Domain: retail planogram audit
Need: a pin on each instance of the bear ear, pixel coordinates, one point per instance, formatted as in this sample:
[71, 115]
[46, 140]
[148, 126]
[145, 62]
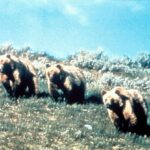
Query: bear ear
[103, 92]
[47, 65]
[59, 66]
[122, 92]
[8, 56]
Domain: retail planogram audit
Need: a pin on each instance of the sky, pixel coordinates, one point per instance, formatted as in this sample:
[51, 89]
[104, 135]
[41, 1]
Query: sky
[64, 27]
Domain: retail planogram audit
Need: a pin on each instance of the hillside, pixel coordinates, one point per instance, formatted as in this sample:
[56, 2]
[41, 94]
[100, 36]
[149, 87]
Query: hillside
[40, 123]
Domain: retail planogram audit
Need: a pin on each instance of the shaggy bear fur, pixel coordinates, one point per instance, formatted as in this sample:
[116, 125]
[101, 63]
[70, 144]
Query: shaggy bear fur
[126, 108]
[67, 81]
[17, 74]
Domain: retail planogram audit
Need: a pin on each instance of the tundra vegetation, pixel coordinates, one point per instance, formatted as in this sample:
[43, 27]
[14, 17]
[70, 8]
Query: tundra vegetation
[41, 123]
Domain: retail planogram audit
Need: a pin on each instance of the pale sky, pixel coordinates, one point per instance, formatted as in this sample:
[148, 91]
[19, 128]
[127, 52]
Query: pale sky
[63, 27]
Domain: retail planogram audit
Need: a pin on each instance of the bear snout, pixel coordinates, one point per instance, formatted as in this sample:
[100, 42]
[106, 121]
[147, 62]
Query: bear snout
[108, 105]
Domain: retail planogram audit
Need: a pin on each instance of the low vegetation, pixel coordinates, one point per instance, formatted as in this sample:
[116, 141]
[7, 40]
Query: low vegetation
[43, 124]
[38, 123]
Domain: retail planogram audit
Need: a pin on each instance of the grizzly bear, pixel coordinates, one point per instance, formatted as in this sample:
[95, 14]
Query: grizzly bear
[126, 108]
[66, 81]
[17, 74]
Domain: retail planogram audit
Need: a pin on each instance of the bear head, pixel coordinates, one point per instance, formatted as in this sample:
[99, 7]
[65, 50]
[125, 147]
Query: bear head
[115, 98]
[56, 73]
[7, 64]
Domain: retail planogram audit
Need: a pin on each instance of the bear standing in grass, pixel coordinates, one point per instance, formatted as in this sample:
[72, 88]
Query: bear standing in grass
[67, 79]
[126, 109]
[17, 74]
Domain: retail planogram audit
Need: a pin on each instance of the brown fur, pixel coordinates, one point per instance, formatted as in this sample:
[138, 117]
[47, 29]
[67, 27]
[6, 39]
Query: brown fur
[69, 79]
[126, 109]
[17, 74]
[3, 77]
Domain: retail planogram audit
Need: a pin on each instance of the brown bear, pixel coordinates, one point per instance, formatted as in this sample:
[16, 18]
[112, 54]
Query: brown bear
[67, 79]
[17, 74]
[126, 108]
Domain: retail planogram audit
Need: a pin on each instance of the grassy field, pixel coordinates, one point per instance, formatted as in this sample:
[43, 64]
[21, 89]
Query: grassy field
[41, 124]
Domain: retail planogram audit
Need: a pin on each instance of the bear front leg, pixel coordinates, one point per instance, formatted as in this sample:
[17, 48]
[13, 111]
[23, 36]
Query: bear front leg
[129, 114]
[68, 84]
[18, 88]
[53, 91]
[8, 87]
[33, 86]
[117, 120]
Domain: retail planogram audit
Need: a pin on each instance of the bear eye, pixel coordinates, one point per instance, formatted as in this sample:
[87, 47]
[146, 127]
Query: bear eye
[112, 100]
[105, 100]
